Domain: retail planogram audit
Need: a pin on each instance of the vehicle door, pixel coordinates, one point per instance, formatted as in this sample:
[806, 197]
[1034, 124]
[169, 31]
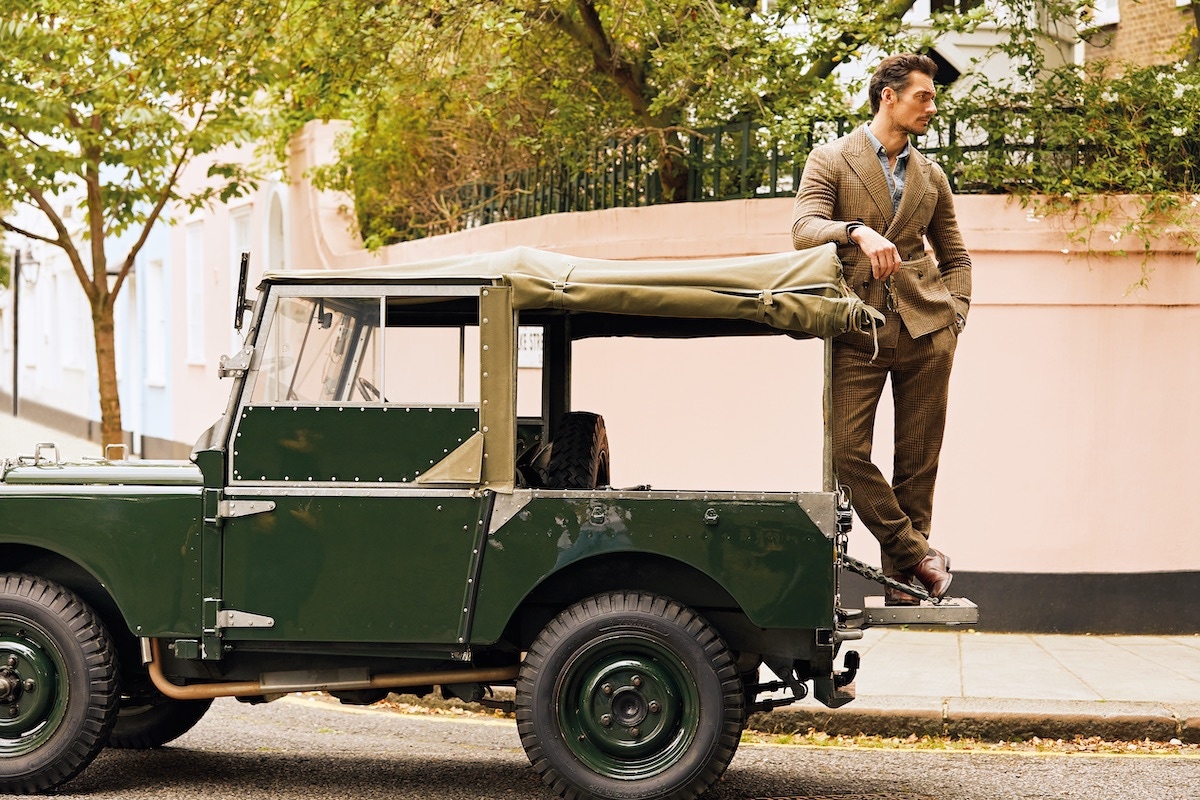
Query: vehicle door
[333, 533]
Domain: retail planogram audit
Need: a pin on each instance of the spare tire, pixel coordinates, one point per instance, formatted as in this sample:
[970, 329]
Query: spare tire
[579, 453]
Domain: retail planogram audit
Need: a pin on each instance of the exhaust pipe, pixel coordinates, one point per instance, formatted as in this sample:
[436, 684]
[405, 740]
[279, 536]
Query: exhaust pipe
[318, 680]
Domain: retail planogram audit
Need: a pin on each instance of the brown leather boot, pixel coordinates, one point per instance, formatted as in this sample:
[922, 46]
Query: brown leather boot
[933, 572]
[895, 597]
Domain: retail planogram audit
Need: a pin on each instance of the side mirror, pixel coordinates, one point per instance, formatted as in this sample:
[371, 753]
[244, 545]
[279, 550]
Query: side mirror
[240, 306]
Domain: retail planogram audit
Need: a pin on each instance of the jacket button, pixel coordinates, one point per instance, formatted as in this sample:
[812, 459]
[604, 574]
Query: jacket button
[920, 274]
[866, 284]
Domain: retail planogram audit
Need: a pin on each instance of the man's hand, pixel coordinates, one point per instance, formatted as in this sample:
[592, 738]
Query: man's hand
[885, 258]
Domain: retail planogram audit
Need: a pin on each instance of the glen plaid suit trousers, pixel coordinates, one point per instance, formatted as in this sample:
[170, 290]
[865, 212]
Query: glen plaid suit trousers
[899, 514]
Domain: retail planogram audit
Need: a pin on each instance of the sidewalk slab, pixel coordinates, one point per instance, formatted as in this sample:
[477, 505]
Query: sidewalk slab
[19, 437]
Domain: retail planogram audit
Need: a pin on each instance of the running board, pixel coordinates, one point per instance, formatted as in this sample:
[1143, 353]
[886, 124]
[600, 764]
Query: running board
[947, 611]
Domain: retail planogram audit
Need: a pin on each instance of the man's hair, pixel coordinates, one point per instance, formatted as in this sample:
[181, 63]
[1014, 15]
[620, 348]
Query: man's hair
[894, 71]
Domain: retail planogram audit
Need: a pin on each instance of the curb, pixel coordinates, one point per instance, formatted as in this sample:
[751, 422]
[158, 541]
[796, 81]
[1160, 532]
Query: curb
[993, 720]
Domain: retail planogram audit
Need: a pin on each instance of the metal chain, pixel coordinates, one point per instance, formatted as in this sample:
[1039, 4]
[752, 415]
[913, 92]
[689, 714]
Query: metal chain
[871, 573]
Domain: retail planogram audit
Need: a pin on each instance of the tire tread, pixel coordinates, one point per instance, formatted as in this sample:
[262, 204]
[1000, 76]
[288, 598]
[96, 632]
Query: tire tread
[100, 661]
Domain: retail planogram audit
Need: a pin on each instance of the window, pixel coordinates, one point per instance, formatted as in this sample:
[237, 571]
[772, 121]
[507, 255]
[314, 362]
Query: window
[332, 349]
[431, 365]
[155, 307]
[321, 349]
[194, 285]
[1105, 12]
[239, 242]
[953, 6]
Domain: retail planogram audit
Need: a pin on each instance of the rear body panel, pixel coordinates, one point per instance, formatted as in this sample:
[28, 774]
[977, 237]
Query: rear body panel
[141, 541]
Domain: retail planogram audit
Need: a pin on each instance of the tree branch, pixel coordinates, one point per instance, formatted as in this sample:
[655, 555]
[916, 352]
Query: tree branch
[831, 57]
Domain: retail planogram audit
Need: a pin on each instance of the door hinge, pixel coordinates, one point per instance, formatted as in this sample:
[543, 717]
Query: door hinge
[228, 509]
[228, 618]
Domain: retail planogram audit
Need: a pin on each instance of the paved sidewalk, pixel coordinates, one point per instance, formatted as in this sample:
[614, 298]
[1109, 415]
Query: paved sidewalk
[1007, 686]
[20, 436]
[960, 682]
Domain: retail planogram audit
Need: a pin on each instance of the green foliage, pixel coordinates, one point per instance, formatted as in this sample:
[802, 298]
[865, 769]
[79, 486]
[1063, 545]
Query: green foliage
[1094, 129]
[111, 99]
[465, 91]
[1108, 149]
[103, 103]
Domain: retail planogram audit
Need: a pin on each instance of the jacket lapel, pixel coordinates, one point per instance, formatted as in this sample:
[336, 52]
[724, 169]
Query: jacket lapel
[865, 163]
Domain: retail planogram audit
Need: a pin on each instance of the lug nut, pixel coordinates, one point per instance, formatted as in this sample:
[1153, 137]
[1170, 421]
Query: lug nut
[606, 688]
[13, 711]
[30, 685]
[12, 661]
[606, 720]
[653, 706]
[635, 732]
[636, 680]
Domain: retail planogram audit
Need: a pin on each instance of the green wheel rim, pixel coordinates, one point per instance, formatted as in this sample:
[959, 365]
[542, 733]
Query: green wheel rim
[33, 687]
[628, 707]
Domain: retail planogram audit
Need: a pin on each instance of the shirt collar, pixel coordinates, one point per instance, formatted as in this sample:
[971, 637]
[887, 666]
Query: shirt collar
[877, 146]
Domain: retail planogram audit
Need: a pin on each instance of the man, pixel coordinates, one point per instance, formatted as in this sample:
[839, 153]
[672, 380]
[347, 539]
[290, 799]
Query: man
[880, 200]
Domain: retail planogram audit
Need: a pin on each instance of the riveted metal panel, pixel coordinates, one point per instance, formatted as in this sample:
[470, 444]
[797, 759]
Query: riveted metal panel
[346, 443]
[498, 387]
[767, 553]
[353, 567]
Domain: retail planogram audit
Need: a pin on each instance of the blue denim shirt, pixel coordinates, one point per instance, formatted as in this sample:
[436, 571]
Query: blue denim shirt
[895, 179]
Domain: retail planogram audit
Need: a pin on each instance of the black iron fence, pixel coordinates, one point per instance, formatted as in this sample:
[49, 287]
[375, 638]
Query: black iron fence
[738, 160]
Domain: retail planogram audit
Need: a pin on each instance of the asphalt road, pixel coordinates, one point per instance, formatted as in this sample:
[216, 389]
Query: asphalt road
[300, 748]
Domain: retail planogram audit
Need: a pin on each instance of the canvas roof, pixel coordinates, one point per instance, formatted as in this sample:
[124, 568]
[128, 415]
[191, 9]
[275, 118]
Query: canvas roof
[800, 292]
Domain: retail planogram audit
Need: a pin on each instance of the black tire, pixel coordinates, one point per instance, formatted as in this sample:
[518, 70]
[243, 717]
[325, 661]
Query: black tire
[58, 669]
[151, 719]
[629, 695]
[579, 454]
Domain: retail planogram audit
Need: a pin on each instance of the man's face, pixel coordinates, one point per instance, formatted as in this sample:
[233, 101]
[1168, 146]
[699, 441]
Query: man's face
[912, 107]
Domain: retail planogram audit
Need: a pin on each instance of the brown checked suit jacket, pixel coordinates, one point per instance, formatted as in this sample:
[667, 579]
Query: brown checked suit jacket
[843, 182]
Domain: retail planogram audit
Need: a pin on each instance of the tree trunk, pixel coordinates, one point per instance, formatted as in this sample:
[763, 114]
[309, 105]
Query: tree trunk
[672, 167]
[103, 330]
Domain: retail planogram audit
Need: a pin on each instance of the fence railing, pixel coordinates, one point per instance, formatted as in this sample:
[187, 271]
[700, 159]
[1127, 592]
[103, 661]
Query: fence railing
[738, 160]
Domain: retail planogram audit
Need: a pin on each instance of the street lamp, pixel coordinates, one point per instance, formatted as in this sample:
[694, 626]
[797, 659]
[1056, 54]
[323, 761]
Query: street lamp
[16, 304]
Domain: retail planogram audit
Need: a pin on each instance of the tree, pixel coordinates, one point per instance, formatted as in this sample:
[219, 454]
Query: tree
[464, 90]
[111, 100]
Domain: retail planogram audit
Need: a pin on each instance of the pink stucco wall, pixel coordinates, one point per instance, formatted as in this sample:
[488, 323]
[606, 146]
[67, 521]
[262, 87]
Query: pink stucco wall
[1071, 445]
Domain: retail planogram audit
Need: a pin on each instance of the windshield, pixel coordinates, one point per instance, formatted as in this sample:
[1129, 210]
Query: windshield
[321, 350]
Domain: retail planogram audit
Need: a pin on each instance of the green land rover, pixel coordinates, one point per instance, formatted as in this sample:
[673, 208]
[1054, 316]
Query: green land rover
[371, 513]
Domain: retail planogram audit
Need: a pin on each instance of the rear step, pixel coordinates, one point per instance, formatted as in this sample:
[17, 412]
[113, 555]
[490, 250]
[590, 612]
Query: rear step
[948, 611]
[927, 611]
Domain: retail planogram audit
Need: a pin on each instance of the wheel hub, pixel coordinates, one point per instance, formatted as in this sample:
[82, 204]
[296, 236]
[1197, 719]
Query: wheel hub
[28, 681]
[631, 706]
